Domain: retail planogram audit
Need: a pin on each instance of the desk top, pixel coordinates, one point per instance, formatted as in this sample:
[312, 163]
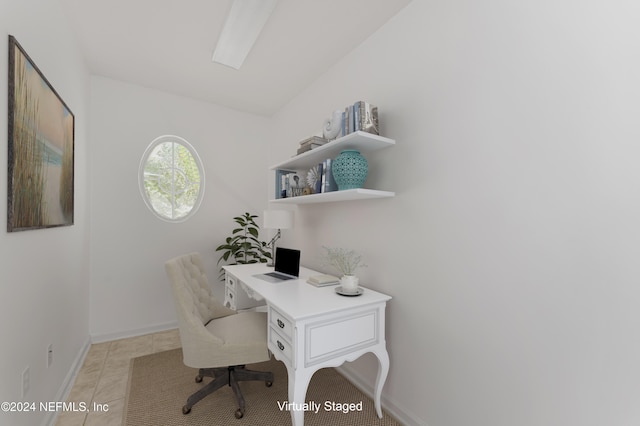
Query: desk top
[297, 298]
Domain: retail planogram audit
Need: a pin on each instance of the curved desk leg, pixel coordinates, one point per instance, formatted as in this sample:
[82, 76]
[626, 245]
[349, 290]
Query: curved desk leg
[383, 370]
[298, 384]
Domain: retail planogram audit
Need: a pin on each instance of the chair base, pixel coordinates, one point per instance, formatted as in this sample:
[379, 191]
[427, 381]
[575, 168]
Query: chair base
[229, 376]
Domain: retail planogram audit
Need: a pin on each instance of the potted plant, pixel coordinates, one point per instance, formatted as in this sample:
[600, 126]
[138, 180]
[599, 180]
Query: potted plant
[345, 262]
[244, 245]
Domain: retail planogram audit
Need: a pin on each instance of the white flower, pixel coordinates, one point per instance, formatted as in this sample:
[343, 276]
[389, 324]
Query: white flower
[342, 260]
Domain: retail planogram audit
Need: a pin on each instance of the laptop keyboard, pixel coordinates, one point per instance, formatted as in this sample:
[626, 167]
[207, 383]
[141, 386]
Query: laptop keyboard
[278, 275]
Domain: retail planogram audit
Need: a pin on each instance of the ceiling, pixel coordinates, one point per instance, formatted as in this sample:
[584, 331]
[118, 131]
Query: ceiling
[168, 45]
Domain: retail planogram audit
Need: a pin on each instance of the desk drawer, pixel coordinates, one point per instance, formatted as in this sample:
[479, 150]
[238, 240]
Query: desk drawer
[279, 344]
[341, 335]
[281, 324]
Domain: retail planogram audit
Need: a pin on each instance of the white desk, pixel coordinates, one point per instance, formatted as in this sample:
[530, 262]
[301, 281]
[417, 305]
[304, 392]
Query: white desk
[312, 328]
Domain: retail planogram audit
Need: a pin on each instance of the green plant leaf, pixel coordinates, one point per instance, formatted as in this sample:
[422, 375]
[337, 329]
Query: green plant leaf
[244, 245]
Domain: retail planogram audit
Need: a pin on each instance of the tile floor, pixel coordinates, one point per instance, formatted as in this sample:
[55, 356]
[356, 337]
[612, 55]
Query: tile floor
[102, 379]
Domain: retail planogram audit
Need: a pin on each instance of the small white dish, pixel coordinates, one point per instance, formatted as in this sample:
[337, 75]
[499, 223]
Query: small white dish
[342, 292]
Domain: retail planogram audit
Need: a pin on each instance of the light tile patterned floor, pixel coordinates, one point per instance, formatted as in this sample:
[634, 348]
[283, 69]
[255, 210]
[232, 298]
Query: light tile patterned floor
[102, 379]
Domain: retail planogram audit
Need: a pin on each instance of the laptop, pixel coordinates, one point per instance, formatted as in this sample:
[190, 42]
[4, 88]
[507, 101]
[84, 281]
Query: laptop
[287, 266]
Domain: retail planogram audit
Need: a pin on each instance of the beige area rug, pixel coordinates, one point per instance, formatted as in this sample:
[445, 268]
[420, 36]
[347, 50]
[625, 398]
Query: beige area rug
[160, 384]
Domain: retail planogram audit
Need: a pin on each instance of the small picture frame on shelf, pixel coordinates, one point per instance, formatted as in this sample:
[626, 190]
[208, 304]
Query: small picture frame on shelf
[289, 183]
[297, 183]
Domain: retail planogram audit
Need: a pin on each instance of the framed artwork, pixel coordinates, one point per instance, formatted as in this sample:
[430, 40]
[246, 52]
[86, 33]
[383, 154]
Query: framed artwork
[41, 149]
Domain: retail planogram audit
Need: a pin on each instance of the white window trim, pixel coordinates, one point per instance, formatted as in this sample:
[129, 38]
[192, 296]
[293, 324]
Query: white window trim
[143, 161]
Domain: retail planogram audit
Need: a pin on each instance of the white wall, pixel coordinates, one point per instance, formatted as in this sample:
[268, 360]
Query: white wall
[129, 289]
[44, 274]
[511, 249]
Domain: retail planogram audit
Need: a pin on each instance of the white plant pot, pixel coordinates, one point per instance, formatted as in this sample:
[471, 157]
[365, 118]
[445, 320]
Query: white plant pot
[349, 283]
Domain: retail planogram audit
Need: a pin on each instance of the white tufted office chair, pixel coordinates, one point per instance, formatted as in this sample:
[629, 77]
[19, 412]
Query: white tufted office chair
[216, 340]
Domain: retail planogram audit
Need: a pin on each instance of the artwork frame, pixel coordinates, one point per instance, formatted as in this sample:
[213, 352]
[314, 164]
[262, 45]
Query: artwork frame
[41, 144]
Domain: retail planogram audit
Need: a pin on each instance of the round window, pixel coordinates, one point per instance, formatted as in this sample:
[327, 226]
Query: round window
[171, 178]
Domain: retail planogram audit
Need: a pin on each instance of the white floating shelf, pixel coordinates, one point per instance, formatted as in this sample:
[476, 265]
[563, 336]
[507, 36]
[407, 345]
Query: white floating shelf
[328, 197]
[362, 141]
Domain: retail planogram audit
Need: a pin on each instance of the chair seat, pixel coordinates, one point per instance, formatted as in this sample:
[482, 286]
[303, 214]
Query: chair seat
[241, 328]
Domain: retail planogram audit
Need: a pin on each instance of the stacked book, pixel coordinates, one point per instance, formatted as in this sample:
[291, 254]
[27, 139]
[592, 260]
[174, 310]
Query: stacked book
[361, 116]
[311, 143]
[323, 280]
[324, 177]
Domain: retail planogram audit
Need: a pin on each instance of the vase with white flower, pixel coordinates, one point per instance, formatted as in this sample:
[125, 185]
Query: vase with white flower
[346, 262]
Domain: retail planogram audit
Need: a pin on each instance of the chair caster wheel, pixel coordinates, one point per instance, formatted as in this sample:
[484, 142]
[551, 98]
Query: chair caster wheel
[186, 409]
[198, 378]
[239, 414]
[268, 383]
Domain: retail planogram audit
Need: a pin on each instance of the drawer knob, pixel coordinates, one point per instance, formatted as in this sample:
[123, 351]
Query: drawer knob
[280, 345]
[280, 324]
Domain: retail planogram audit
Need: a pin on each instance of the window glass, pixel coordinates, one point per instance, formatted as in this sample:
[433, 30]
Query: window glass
[171, 178]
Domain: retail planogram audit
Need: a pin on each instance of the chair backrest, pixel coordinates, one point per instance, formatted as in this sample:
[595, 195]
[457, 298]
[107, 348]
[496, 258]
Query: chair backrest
[190, 287]
[195, 305]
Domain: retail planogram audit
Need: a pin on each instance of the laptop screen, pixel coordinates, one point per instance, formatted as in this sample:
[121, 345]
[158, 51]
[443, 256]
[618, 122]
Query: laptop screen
[287, 261]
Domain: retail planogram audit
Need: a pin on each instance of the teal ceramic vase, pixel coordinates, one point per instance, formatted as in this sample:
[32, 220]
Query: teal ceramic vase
[350, 169]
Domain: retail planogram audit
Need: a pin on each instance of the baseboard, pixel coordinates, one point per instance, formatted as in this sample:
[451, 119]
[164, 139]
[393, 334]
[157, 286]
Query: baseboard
[69, 380]
[390, 406]
[107, 337]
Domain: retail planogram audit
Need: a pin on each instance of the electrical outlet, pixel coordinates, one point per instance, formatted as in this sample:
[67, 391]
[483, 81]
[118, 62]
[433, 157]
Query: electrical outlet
[49, 355]
[25, 381]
